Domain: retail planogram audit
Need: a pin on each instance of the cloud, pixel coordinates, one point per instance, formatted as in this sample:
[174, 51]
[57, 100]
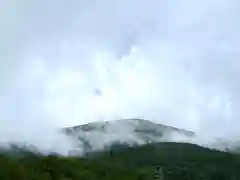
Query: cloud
[173, 62]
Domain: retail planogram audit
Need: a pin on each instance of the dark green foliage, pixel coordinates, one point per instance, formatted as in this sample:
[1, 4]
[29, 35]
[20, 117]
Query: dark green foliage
[176, 161]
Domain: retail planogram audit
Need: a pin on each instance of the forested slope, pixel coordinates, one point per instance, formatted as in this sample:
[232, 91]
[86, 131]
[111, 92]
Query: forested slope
[177, 161]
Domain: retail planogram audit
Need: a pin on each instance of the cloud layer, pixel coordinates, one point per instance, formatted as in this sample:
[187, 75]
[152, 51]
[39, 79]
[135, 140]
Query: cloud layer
[173, 62]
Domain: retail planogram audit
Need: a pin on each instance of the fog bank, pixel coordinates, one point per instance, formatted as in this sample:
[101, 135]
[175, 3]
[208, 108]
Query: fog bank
[67, 63]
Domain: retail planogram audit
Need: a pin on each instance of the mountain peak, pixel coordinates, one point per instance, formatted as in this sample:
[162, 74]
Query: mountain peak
[97, 135]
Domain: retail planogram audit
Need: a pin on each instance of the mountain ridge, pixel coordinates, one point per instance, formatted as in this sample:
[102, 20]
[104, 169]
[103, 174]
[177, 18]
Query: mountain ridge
[97, 135]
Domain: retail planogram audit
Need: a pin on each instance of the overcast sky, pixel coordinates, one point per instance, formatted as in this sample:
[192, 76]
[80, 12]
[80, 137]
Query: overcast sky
[71, 62]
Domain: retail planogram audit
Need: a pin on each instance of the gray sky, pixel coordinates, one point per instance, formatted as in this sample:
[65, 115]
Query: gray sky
[71, 62]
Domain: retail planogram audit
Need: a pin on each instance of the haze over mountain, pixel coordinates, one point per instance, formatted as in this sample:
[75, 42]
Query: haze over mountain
[98, 135]
[101, 135]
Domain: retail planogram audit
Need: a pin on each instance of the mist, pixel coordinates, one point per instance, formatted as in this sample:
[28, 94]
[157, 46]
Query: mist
[66, 63]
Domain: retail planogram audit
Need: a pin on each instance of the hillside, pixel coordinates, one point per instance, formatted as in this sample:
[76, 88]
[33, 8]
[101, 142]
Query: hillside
[97, 135]
[179, 161]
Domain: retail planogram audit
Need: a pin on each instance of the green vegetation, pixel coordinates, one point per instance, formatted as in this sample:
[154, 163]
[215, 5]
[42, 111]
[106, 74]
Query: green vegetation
[177, 161]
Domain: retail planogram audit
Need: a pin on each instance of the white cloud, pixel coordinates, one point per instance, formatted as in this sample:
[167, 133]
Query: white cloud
[174, 62]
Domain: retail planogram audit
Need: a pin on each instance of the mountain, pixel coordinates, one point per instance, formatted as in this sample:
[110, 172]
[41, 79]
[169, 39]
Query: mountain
[99, 135]
[145, 160]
